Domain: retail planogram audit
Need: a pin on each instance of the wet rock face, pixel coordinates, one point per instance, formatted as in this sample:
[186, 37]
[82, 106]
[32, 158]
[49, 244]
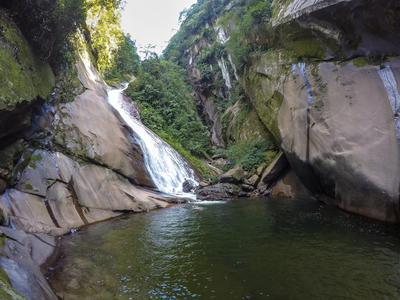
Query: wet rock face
[90, 129]
[335, 126]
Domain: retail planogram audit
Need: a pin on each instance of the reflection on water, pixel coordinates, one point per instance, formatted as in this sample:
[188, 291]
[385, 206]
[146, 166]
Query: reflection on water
[247, 249]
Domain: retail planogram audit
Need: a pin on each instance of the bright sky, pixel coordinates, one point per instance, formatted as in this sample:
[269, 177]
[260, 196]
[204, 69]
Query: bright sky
[153, 21]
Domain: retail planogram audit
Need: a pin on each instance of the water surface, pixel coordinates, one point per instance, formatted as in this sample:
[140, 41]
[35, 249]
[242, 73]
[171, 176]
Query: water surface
[246, 249]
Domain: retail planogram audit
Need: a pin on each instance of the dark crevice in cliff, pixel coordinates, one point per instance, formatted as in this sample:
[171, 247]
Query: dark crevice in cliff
[75, 201]
[51, 213]
[14, 124]
[31, 193]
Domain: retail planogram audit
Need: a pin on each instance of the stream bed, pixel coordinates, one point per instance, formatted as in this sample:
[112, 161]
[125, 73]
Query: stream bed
[244, 249]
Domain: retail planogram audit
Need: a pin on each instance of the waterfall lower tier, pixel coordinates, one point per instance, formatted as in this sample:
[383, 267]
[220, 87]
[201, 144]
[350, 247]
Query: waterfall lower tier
[166, 167]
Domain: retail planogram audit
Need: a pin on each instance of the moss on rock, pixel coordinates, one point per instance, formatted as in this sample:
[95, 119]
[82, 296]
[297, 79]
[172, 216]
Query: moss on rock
[241, 124]
[24, 77]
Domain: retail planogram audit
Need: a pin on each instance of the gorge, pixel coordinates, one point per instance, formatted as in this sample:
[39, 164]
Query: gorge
[268, 130]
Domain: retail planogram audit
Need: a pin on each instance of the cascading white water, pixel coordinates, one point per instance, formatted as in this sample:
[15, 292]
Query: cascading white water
[166, 167]
[302, 68]
[390, 83]
[225, 73]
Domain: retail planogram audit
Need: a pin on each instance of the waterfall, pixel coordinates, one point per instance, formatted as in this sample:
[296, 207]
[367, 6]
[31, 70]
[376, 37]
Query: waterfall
[233, 67]
[390, 83]
[166, 167]
[225, 73]
[221, 35]
[302, 68]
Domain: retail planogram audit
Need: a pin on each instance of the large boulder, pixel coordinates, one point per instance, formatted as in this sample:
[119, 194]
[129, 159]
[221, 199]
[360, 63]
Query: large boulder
[290, 186]
[219, 191]
[235, 175]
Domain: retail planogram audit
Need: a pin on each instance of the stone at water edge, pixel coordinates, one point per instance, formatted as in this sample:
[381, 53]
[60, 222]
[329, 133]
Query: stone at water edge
[247, 187]
[219, 191]
[273, 172]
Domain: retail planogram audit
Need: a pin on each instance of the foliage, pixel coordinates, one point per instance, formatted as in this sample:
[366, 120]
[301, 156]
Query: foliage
[249, 17]
[49, 26]
[126, 61]
[103, 24]
[249, 154]
[252, 19]
[167, 105]
[194, 27]
[47, 23]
